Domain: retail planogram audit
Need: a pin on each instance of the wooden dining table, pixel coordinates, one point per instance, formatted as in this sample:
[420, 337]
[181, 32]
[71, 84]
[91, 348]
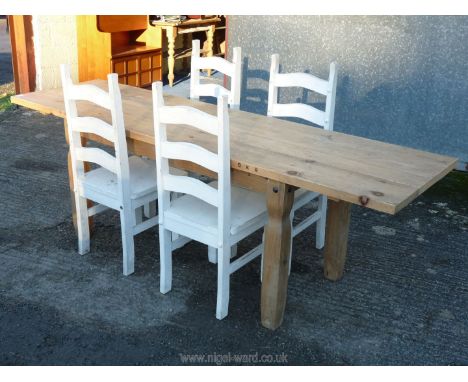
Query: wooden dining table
[277, 157]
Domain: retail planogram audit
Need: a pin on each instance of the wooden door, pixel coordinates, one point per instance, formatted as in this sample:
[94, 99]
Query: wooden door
[22, 52]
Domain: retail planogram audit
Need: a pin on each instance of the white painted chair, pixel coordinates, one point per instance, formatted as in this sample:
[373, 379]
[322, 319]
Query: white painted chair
[311, 114]
[216, 214]
[231, 69]
[120, 183]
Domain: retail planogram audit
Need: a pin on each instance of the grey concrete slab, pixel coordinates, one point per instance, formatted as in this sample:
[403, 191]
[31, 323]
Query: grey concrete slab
[6, 69]
[403, 299]
[401, 79]
[5, 46]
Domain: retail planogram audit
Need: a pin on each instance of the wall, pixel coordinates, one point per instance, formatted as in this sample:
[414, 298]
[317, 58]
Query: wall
[401, 79]
[54, 43]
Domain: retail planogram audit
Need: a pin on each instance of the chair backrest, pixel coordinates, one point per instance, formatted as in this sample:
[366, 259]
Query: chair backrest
[303, 80]
[219, 163]
[231, 69]
[114, 133]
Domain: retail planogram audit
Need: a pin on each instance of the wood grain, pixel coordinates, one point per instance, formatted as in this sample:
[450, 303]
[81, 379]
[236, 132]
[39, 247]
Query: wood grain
[336, 239]
[22, 53]
[94, 49]
[123, 44]
[357, 170]
[277, 251]
[121, 23]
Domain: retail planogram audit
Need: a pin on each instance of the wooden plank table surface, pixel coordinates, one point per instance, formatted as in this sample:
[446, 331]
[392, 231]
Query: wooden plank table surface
[277, 157]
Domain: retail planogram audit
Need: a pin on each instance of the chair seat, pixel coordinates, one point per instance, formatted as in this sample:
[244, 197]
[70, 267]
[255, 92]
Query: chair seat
[142, 179]
[248, 210]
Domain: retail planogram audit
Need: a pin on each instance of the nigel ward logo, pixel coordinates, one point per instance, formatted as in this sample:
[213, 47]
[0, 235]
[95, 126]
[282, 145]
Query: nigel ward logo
[230, 358]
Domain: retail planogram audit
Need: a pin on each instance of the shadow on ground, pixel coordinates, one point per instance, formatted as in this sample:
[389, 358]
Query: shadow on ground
[5, 69]
[403, 299]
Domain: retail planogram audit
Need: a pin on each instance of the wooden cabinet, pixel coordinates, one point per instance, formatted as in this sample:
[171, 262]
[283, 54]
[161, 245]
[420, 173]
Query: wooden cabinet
[138, 68]
[126, 45]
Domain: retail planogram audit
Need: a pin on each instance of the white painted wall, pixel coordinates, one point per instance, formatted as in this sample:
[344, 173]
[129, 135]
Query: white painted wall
[55, 43]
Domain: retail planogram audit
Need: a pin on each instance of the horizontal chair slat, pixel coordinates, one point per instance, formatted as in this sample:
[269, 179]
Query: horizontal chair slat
[303, 80]
[190, 152]
[216, 63]
[188, 115]
[93, 126]
[191, 186]
[98, 156]
[299, 110]
[211, 90]
[90, 93]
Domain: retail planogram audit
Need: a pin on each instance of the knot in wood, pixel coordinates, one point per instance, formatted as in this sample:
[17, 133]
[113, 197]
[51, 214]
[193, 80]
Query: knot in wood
[363, 199]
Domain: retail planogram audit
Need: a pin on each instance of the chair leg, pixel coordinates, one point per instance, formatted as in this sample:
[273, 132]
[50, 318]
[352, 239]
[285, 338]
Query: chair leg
[320, 229]
[139, 215]
[233, 250]
[82, 224]
[261, 256]
[165, 253]
[212, 255]
[149, 209]
[291, 243]
[175, 236]
[222, 303]
[128, 248]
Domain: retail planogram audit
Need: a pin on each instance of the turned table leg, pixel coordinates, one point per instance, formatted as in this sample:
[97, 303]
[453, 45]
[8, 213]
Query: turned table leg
[336, 238]
[209, 42]
[185, 59]
[171, 37]
[277, 250]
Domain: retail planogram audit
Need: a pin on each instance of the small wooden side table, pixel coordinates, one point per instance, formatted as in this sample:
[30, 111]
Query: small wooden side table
[173, 29]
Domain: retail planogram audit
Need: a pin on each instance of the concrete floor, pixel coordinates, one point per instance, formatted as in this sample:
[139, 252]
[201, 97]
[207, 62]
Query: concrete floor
[403, 299]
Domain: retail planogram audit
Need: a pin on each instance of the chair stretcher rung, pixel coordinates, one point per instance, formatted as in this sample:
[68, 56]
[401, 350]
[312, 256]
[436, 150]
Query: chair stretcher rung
[180, 242]
[96, 209]
[249, 256]
[302, 201]
[305, 223]
[145, 225]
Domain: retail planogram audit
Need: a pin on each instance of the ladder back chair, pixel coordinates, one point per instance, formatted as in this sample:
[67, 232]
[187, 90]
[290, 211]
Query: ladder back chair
[309, 113]
[120, 183]
[231, 69]
[216, 214]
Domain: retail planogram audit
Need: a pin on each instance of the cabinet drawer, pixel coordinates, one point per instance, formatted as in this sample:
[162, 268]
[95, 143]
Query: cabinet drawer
[138, 69]
[145, 78]
[156, 61]
[132, 65]
[157, 74]
[119, 67]
[145, 63]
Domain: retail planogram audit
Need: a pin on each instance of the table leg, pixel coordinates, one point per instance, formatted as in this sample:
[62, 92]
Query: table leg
[209, 42]
[185, 59]
[277, 251]
[336, 238]
[171, 36]
[87, 167]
